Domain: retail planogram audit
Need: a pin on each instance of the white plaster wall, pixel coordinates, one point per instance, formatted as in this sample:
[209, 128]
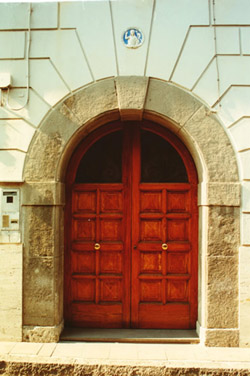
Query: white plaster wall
[202, 47]
[11, 292]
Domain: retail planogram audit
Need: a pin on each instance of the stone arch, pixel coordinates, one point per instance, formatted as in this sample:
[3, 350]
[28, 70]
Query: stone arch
[131, 98]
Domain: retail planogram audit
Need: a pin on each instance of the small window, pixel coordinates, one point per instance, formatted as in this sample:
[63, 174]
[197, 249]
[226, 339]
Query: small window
[102, 163]
[160, 162]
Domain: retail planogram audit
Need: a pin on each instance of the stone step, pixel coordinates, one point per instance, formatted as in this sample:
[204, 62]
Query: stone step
[121, 359]
[130, 335]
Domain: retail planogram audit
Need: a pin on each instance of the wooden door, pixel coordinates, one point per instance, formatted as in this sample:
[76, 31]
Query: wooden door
[164, 238]
[97, 217]
[131, 242]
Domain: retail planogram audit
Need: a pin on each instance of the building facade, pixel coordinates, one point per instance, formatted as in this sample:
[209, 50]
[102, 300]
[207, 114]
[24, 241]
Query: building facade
[150, 244]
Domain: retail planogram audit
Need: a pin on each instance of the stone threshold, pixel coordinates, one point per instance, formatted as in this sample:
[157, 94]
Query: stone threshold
[130, 335]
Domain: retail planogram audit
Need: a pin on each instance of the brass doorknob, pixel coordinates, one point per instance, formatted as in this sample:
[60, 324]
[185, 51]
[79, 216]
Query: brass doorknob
[97, 246]
[164, 246]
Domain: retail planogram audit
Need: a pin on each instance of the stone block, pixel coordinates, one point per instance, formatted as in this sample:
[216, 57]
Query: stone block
[170, 101]
[69, 117]
[93, 100]
[44, 155]
[49, 193]
[42, 334]
[131, 94]
[223, 231]
[39, 231]
[61, 121]
[222, 292]
[26, 348]
[38, 287]
[11, 272]
[216, 147]
[223, 194]
[222, 338]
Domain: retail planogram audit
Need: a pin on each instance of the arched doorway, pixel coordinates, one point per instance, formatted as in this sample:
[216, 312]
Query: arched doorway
[43, 198]
[131, 230]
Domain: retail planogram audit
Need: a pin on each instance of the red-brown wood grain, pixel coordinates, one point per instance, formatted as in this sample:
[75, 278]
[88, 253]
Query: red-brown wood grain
[131, 281]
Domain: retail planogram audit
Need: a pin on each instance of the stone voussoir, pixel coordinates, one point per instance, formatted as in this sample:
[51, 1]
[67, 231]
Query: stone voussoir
[170, 101]
[93, 100]
[215, 145]
[131, 94]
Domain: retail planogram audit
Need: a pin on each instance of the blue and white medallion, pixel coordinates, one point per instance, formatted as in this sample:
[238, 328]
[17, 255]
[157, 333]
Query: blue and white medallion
[133, 38]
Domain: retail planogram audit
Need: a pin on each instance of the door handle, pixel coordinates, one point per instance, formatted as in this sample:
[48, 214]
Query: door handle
[164, 246]
[97, 246]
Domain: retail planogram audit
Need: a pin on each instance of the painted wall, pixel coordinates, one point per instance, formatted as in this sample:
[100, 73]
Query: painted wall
[56, 48]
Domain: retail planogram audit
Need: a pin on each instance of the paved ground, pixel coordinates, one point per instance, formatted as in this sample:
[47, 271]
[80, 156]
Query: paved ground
[167, 355]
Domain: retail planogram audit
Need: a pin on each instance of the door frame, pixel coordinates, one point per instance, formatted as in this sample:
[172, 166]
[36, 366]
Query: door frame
[79, 152]
[219, 199]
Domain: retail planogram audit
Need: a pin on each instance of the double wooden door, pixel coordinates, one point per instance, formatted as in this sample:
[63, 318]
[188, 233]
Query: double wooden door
[131, 231]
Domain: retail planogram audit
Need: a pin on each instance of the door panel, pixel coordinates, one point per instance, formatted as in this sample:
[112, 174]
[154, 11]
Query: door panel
[97, 275]
[161, 277]
[144, 274]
